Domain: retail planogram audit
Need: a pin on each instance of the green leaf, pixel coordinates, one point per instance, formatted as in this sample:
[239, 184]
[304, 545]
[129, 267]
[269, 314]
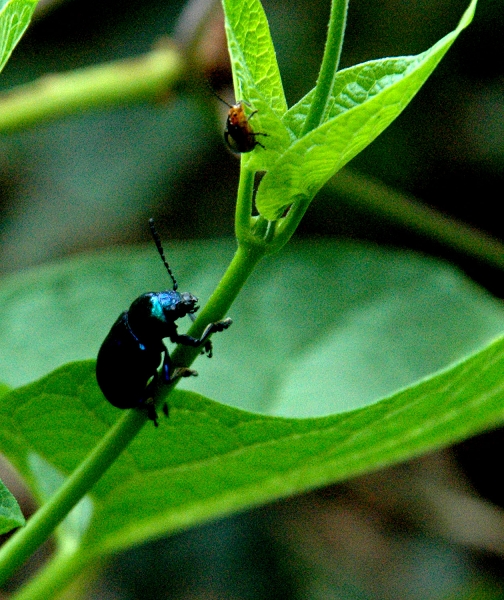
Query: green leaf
[365, 99]
[378, 320]
[252, 53]
[15, 16]
[381, 319]
[360, 320]
[256, 78]
[3, 389]
[10, 513]
[354, 87]
[208, 459]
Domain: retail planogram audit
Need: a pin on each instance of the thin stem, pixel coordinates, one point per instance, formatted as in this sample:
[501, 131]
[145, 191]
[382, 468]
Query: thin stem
[26, 540]
[380, 199]
[287, 226]
[269, 234]
[244, 204]
[148, 77]
[240, 268]
[330, 63]
[260, 227]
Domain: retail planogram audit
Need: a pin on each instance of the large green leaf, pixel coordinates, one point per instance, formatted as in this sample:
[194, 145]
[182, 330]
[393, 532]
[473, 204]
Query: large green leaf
[365, 99]
[363, 321]
[15, 17]
[208, 459]
[377, 319]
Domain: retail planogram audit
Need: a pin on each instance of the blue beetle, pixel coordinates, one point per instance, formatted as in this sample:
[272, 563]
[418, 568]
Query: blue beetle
[128, 360]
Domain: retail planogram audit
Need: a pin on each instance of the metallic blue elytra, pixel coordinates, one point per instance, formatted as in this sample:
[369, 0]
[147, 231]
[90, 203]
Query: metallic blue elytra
[129, 358]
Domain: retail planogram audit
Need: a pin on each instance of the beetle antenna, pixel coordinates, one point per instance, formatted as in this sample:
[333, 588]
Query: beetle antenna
[159, 247]
[218, 97]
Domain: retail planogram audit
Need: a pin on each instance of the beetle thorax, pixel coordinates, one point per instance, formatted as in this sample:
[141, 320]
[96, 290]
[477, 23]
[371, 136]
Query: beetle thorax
[153, 315]
[170, 305]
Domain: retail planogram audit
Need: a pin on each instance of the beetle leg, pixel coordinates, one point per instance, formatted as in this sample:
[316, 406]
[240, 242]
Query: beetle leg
[183, 372]
[168, 374]
[259, 144]
[213, 328]
[151, 411]
[188, 340]
[165, 371]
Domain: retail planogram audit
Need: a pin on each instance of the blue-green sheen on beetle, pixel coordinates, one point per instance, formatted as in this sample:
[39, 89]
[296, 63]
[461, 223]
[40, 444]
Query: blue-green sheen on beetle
[128, 360]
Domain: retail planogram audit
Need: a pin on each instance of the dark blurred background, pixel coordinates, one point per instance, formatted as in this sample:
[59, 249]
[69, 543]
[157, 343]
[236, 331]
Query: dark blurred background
[91, 180]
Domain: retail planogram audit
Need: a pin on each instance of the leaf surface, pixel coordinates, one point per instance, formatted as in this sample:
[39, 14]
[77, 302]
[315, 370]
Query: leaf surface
[356, 307]
[257, 78]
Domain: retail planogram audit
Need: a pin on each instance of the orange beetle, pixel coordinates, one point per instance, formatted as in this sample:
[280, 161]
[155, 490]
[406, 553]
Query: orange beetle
[238, 133]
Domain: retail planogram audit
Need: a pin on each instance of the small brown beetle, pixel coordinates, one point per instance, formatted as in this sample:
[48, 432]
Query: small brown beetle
[238, 133]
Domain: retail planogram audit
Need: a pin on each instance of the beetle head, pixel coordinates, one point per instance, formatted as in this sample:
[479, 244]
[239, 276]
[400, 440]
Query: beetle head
[188, 304]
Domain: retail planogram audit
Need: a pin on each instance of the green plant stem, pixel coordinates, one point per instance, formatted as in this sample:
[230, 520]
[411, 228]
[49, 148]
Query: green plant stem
[42, 523]
[257, 232]
[259, 228]
[148, 77]
[374, 196]
[288, 224]
[240, 268]
[329, 66]
[244, 205]
[38, 528]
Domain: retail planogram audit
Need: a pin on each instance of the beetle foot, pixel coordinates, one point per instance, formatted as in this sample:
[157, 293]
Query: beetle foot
[214, 328]
[221, 325]
[183, 372]
[208, 349]
[151, 411]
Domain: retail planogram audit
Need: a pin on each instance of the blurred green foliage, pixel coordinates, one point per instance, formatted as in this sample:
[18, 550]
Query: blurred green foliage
[92, 179]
